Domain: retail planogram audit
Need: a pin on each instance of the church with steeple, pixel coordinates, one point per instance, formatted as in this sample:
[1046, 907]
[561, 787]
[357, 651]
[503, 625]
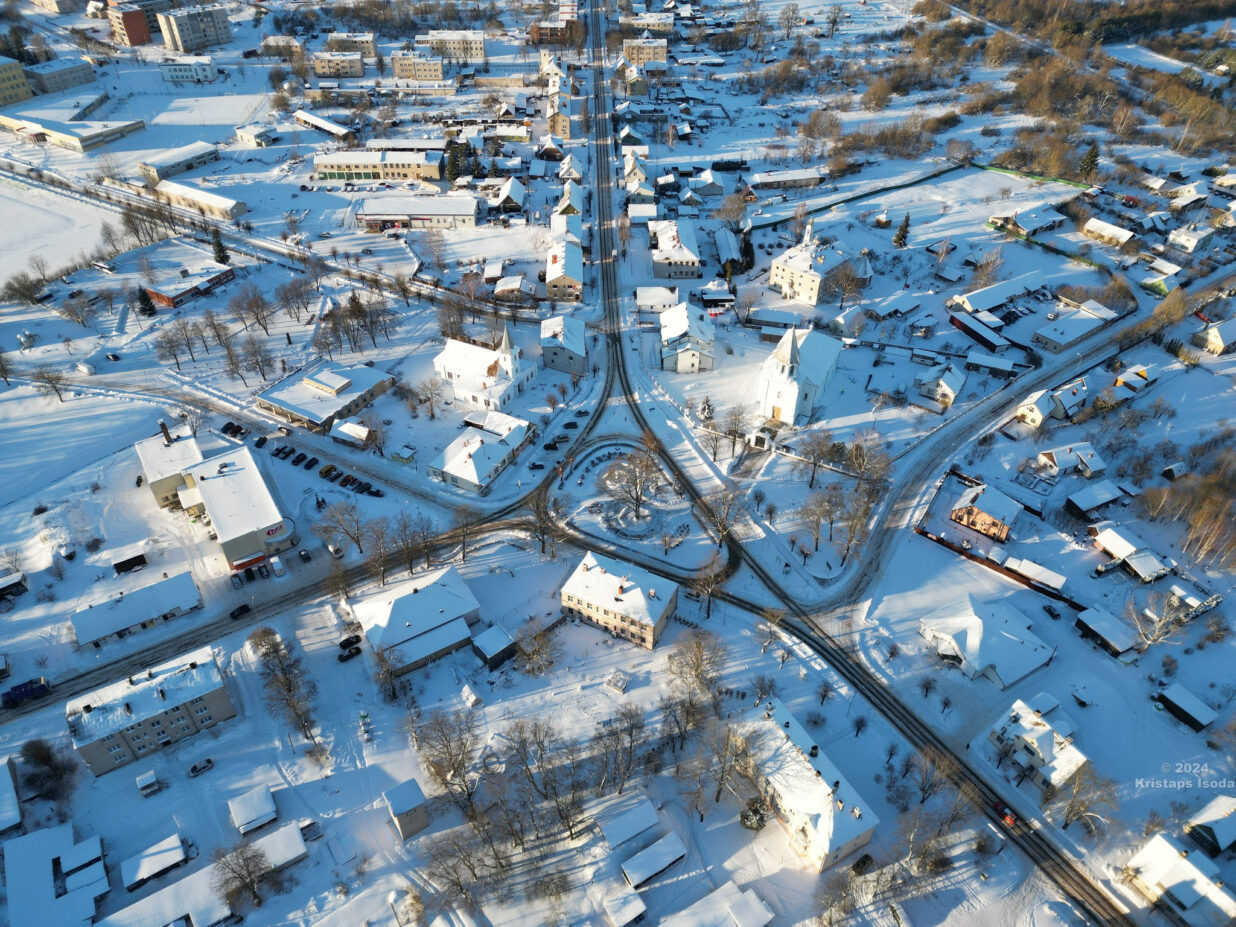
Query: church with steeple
[487, 378]
[794, 377]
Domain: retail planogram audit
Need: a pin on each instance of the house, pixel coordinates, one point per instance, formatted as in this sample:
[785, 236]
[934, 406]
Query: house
[558, 117]
[1214, 827]
[634, 168]
[620, 598]
[488, 378]
[706, 184]
[1186, 885]
[416, 621]
[639, 192]
[985, 510]
[675, 253]
[977, 330]
[475, 458]
[351, 432]
[256, 136]
[1028, 222]
[998, 294]
[1107, 233]
[1081, 457]
[135, 718]
[1127, 549]
[1189, 240]
[803, 272]
[514, 289]
[1084, 503]
[727, 906]
[509, 198]
[564, 344]
[1133, 379]
[571, 203]
[114, 609]
[1106, 630]
[549, 148]
[1219, 338]
[51, 878]
[569, 170]
[175, 161]
[942, 383]
[564, 271]
[625, 818]
[687, 339]
[1037, 738]
[253, 809]
[793, 378]
[825, 816]
[655, 298]
[1059, 404]
[654, 860]
[715, 297]
[493, 646]
[569, 227]
[163, 459]
[408, 807]
[992, 640]
[324, 392]
[453, 211]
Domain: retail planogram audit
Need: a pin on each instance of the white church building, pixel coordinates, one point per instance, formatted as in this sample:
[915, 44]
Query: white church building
[794, 377]
[488, 378]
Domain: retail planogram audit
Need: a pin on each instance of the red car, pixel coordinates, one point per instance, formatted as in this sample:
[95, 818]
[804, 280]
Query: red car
[1007, 817]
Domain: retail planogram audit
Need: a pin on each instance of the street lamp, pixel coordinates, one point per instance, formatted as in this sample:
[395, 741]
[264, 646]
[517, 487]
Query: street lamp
[391, 899]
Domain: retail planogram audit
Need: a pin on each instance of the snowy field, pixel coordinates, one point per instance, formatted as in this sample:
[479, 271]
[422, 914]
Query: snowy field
[42, 223]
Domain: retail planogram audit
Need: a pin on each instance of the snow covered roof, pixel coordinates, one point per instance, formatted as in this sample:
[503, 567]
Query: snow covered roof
[252, 809]
[402, 611]
[989, 501]
[685, 320]
[160, 459]
[234, 492]
[478, 455]
[319, 391]
[996, 295]
[675, 241]
[818, 353]
[118, 705]
[393, 157]
[1118, 635]
[1097, 228]
[623, 821]
[351, 432]
[1095, 495]
[1055, 756]
[727, 906]
[657, 858]
[1190, 704]
[991, 638]
[624, 907]
[175, 155]
[417, 206]
[602, 580]
[153, 860]
[1069, 456]
[30, 865]
[1121, 544]
[568, 226]
[565, 260]
[304, 117]
[493, 640]
[1219, 815]
[1035, 571]
[405, 797]
[114, 605]
[1194, 883]
[810, 255]
[10, 807]
[652, 297]
[564, 330]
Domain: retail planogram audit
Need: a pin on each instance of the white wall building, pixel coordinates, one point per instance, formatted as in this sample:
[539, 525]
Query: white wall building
[564, 344]
[793, 378]
[416, 621]
[620, 598]
[488, 444]
[801, 272]
[488, 378]
[1037, 737]
[675, 252]
[687, 335]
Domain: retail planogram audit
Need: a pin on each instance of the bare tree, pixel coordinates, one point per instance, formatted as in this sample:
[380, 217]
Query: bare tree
[547, 528]
[732, 211]
[1158, 621]
[813, 452]
[698, 659]
[711, 439]
[6, 368]
[429, 392]
[538, 647]
[386, 672]
[465, 519]
[240, 869]
[12, 559]
[411, 536]
[449, 741]
[380, 544]
[631, 479]
[707, 580]
[77, 309]
[722, 512]
[731, 756]
[1087, 797]
[773, 619]
[619, 744]
[216, 327]
[342, 518]
[49, 773]
[257, 357]
[735, 425]
[47, 380]
[289, 692]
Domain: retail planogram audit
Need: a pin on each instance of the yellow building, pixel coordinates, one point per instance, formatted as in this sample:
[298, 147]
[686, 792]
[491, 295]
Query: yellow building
[407, 65]
[338, 64]
[640, 51]
[454, 44]
[620, 598]
[359, 42]
[378, 165]
[13, 84]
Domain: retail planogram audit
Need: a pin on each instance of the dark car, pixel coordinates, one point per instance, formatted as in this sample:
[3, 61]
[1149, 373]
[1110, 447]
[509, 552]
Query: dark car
[240, 611]
[263, 572]
[304, 555]
[227, 427]
[375, 492]
[311, 463]
[348, 654]
[862, 864]
[335, 477]
[1053, 611]
[362, 486]
[350, 641]
[582, 413]
[237, 581]
[112, 357]
[570, 424]
[299, 459]
[536, 466]
[260, 441]
[347, 480]
[200, 767]
[562, 439]
[550, 446]
[249, 575]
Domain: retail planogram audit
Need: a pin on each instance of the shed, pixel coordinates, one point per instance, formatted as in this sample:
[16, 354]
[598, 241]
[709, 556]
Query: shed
[1185, 706]
[628, 823]
[1106, 630]
[153, 861]
[1214, 827]
[624, 907]
[656, 859]
[408, 808]
[253, 809]
[493, 646]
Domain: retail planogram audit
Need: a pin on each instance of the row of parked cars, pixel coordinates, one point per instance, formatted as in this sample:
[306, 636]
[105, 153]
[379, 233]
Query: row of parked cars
[333, 474]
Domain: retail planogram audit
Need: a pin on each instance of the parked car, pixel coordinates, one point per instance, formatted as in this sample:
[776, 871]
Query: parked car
[237, 581]
[550, 446]
[111, 356]
[304, 555]
[536, 466]
[326, 471]
[562, 439]
[582, 413]
[284, 430]
[240, 611]
[1007, 817]
[347, 480]
[260, 441]
[362, 486]
[311, 463]
[348, 654]
[375, 492]
[350, 641]
[263, 572]
[335, 477]
[570, 425]
[299, 459]
[249, 575]
[200, 767]
[227, 427]
[1053, 611]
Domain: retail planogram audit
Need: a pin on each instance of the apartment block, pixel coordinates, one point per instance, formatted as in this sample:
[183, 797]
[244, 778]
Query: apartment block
[133, 23]
[640, 51]
[454, 44]
[620, 598]
[135, 718]
[193, 28]
[359, 42]
[13, 84]
[338, 64]
[407, 65]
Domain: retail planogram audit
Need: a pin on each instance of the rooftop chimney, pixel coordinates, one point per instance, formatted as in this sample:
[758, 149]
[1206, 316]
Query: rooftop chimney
[167, 435]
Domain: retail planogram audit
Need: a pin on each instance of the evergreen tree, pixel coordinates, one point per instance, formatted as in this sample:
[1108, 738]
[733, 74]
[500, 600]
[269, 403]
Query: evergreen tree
[1089, 162]
[145, 305]
[221, 253]
[903, 233]
[706, 410]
